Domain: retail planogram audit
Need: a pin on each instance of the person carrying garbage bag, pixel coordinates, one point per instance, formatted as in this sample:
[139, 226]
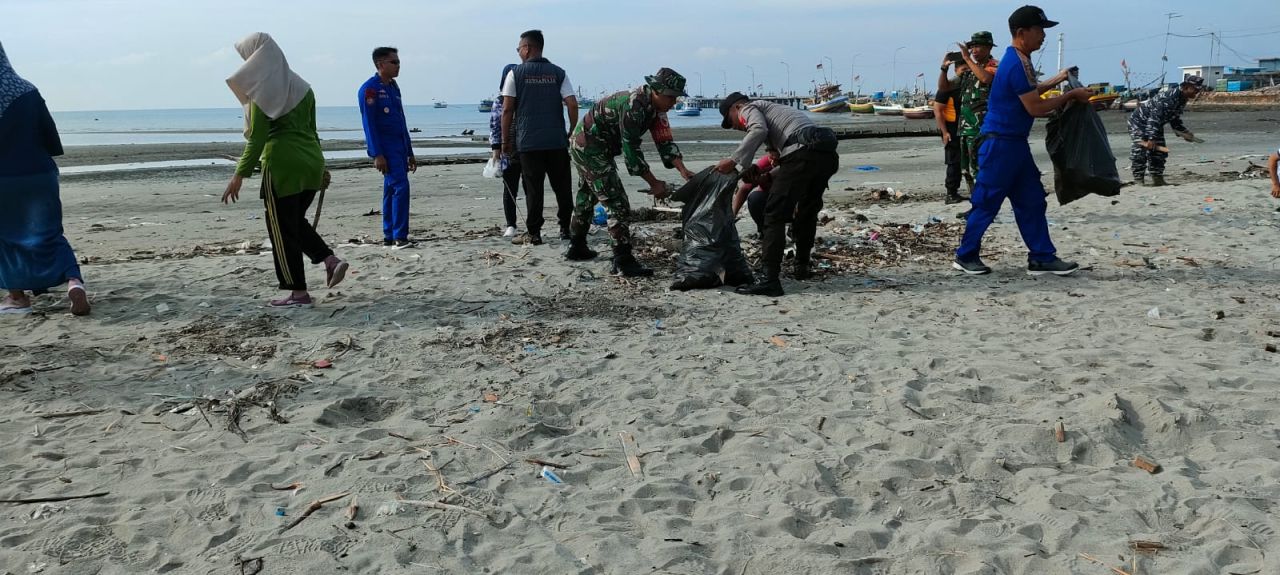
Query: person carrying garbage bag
[711, 243]
[807, 159]
[1146, 128]
[612, 128]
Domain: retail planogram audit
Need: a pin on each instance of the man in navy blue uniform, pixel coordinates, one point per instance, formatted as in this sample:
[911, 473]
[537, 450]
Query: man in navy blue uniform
[1006, 168]
[386, 134]
[534, 98]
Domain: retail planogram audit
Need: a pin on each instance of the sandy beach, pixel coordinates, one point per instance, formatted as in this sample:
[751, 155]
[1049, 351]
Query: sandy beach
[888, 417]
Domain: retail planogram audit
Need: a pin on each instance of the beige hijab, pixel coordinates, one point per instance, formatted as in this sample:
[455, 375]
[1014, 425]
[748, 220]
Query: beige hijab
[265, 79]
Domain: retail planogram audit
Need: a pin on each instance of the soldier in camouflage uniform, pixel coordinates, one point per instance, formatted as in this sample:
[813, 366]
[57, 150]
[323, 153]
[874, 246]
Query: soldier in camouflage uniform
[1146, 128]
[611, 128]
[974, 84]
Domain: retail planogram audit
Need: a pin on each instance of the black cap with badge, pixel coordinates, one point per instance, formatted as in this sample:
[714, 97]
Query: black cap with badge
[1029, 16]
[727, 103]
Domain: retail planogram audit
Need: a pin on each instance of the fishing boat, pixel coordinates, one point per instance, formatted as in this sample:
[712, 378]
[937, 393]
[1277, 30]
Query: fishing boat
[918, 113]
[863, 108]
[826, 99]
[486, 106]
[690, 108]
[1103, 101]
[585, 102]
[439, 104]
[887, 110]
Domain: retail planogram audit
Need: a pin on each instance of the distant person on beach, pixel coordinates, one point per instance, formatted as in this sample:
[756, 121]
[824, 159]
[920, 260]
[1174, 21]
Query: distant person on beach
[756, 194]
[1272, 163]
[280, 126]
[974, 74]
[386, 135]
[1146, 127]
[534, 97]
[807, 159]
[946, 109]
[612, 128]
[34, 255]
[1007, 169]
[510, 163]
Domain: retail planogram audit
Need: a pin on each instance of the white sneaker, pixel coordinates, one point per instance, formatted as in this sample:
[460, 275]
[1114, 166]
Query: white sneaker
[510, 233]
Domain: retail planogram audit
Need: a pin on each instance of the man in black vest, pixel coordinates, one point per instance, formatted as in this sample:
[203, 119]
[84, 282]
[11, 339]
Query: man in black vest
[533, 99]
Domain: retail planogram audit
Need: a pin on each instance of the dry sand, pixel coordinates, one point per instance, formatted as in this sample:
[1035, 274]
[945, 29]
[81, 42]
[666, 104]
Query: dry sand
[892, 417]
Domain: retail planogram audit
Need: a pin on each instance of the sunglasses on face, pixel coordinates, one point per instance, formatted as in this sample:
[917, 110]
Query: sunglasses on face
[394, 62]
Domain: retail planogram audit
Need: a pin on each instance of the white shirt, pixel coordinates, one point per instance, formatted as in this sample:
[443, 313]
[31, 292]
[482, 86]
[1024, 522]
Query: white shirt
[509, 86]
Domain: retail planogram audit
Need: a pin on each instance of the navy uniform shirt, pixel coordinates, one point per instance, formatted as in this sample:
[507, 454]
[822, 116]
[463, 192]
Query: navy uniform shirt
[386, 132]
[1006, 116]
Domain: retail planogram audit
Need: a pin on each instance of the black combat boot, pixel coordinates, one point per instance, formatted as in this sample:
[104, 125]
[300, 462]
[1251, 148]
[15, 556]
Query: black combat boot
[1139, 179]
[625, 264]
[578, 250]
[768, 285]
[1157, 181]
[954, 197]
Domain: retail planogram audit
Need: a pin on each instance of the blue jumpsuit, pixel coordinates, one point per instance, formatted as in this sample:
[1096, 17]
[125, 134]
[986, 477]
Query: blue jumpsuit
[386, 134]
[1006, 168]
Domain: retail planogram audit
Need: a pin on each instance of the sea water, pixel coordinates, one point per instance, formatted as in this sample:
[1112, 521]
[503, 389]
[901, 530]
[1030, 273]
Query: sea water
[218, 125]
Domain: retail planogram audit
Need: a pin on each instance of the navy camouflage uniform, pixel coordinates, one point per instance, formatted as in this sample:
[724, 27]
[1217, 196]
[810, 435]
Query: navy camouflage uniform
[1147, 123]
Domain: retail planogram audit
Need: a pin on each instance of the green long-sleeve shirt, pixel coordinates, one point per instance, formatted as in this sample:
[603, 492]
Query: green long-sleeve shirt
[614, 127]
[288, 148]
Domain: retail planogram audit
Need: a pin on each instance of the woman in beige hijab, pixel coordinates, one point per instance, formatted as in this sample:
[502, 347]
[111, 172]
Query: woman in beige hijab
[280, 126]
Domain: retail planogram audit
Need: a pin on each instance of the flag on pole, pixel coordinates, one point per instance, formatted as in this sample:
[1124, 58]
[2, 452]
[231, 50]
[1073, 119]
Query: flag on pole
[819, 65]
[920, 75]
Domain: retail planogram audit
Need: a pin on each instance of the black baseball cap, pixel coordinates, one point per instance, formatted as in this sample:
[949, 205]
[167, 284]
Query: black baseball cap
[1029, 16]
[727, 103]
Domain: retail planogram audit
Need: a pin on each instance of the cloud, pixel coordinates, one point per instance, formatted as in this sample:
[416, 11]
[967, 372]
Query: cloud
[711, 52]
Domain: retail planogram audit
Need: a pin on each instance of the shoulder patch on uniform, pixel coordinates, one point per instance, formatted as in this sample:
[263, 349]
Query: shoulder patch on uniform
[370, 95]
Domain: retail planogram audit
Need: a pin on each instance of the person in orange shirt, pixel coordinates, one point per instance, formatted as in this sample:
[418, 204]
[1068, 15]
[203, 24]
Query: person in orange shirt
[945, 106]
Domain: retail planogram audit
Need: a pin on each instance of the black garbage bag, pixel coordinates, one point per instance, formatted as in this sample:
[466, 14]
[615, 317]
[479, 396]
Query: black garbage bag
[711, 244]
[1082, 160]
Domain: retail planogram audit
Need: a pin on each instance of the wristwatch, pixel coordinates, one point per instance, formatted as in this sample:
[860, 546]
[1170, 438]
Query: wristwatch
[945, 68]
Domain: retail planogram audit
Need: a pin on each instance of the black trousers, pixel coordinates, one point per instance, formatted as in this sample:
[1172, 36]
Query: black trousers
[292, 236]
[552, 165]
[952, 156]
[799, 180]
[510, 190]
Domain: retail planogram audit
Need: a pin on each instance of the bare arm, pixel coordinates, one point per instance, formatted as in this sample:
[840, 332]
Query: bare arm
[1040, 107]
[572, 103]
[940, 110]
[1053, 82]
[944, 81]
[980, 71]
[740, 197]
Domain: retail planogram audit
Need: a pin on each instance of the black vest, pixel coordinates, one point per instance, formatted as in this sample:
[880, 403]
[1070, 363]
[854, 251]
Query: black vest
[539, 122]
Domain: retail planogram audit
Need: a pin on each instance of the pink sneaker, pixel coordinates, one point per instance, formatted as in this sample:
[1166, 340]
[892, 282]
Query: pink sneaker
[334, 270]
[291, 301]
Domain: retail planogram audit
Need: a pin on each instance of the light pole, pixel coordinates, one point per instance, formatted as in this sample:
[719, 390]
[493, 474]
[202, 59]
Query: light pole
[851, 70]
[699, 83]
[894, 77]
[788, 76]
[753, 79]
[724, 83]
[1164, 59]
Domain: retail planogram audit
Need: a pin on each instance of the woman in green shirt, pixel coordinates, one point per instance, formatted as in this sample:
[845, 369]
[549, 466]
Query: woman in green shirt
[280, 126]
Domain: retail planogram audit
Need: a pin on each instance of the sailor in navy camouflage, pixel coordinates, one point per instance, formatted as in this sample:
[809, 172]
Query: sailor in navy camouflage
[1146, 128]
[611, 128]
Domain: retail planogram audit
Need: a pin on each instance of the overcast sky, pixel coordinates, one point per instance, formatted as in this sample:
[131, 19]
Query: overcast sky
[143, 54]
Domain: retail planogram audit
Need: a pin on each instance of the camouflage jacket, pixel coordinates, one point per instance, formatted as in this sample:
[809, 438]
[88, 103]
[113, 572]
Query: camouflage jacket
[974, 94]
[615, 124]
[1165, 108]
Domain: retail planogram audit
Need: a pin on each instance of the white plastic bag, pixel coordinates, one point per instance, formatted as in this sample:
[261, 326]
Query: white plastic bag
[492, 169]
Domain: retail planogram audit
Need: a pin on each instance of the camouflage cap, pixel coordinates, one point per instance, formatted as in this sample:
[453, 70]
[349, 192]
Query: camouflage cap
[983, 38]
[666, 82]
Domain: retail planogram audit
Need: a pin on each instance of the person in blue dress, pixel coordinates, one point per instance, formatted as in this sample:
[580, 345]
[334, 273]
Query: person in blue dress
[386, 134]
[1005, 166]
[34, 255]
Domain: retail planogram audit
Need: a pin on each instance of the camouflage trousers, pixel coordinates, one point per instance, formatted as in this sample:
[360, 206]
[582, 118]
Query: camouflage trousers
[1143, 161]
[599, 182]
[970, 129]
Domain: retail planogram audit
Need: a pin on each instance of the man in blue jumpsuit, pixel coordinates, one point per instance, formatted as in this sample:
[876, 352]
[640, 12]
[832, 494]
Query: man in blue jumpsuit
[1005, 166]
[386, 134]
